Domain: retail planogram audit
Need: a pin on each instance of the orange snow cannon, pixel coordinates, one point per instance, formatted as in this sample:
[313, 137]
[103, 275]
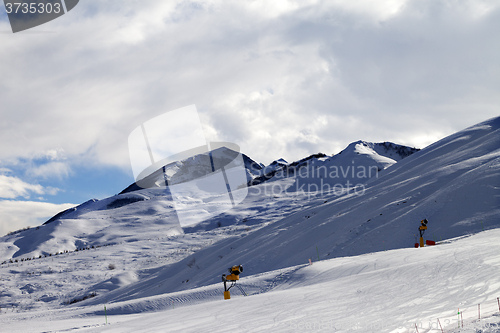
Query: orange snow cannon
[235, 273]
[233, 277]
[421, 229]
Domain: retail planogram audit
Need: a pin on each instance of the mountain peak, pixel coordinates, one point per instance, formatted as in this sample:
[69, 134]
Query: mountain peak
[195, 166]
[386, 149]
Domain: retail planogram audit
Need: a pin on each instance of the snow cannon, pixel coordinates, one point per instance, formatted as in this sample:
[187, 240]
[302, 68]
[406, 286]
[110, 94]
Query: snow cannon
[233, 277]
[421, 229]
[235, 273]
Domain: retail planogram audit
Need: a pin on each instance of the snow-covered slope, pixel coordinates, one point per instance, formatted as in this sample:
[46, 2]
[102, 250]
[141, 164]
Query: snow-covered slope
[98, 224]
[389, 291]
[454, 183]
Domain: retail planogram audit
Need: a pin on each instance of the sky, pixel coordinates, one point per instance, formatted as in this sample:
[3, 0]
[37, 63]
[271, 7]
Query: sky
[281, 79]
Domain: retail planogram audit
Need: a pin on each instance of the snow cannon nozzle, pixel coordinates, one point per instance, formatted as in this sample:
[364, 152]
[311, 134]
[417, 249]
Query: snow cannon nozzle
[424, 222]
[236, 269]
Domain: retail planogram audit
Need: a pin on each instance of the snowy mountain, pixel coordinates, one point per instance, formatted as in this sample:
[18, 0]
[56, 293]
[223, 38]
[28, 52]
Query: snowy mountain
[274, 165]
[129, 251]
[356, 164]
[148, 200]
[195, 167]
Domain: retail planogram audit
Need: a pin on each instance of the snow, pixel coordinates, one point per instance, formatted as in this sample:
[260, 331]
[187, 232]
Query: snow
[387, 291]
[154, 275]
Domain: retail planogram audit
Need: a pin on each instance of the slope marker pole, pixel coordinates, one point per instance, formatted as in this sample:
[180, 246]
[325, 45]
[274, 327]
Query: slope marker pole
[317, 252]
[440, 325]
[105, 315]
[498, 304]
[479, 311]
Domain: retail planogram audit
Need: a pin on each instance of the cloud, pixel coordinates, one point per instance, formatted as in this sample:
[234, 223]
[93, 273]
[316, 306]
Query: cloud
[281, 78]
[53, 169]
[54, 154]
[5, 171]
[16, 215]
[12, 187]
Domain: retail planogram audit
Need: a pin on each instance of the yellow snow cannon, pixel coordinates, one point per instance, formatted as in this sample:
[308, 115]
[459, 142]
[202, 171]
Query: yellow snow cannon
[235, 273]
[233, 277]
[421, 229]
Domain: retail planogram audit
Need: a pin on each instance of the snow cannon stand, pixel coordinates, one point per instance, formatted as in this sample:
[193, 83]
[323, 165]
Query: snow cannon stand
[232, 277]
[421, 229]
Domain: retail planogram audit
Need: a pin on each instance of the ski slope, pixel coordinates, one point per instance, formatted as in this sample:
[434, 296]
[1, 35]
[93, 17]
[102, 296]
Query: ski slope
[387, 291]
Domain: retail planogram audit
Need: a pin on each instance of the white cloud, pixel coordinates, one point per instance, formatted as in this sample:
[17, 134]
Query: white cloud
[52, 190]
[48, 170]
[55, 154]
[261, 73]
[12, 187]
[15, 215]
[5, 170]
